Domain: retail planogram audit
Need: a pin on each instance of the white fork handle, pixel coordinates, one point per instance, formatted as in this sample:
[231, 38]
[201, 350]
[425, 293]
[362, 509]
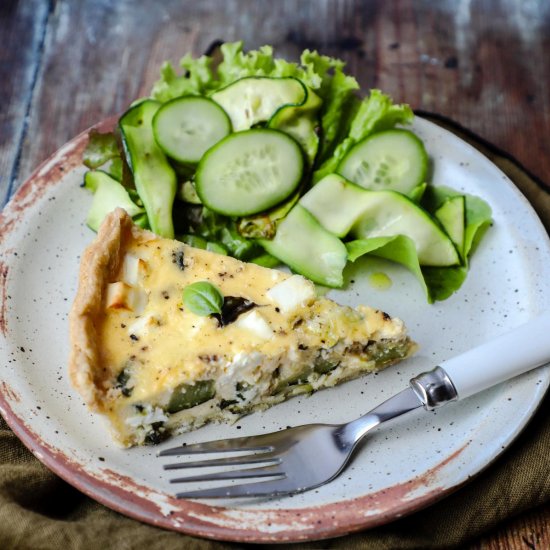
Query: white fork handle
[513, 353]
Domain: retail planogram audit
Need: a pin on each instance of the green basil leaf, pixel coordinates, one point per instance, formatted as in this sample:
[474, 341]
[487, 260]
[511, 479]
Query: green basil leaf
[202, 298]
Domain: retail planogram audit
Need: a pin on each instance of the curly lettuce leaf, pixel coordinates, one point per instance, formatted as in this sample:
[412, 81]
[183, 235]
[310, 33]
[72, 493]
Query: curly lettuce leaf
[103, 151]
[326, 76]
[197, 78]
[238, 64]
[101, 148]
[222, 230]
[313, 68]
[339, 107]
[378, 113]
[375, 113]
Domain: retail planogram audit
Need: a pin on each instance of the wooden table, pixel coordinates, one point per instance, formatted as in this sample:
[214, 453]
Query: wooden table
[66, 65]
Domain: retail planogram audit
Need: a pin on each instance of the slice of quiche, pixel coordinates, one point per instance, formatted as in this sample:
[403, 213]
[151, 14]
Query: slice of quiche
[153, 367]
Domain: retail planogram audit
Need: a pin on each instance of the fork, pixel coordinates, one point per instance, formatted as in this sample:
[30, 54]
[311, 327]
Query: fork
[298, 459]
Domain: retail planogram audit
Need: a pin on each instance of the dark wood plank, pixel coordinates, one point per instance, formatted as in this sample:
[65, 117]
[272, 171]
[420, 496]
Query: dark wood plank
[22, 27]
[101, 55]
[482, 65]
[66, 65]
[487, 68]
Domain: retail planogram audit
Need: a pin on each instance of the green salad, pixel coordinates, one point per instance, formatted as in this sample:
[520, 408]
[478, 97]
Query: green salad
[276, 162]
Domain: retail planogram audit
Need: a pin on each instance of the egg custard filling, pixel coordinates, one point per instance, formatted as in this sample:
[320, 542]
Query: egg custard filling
[153, 367]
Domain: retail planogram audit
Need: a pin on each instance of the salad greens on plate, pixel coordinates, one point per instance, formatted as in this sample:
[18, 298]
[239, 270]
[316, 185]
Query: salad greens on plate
[279, 162]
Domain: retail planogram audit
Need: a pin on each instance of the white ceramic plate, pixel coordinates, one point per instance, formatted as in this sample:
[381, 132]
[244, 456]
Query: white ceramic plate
[401, 468]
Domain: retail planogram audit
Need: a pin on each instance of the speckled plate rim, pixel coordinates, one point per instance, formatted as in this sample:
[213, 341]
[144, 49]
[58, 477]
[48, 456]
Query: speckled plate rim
[124, 495]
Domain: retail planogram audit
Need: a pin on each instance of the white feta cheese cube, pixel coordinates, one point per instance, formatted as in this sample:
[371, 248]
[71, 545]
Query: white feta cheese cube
[292, 293]
[254, 322]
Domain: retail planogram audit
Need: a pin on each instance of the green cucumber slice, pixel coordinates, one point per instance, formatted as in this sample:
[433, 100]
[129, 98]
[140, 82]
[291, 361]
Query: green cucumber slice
[307, 248]
[418, 192]
[154, 178]
[108, 195]
[336, 203]
[186, 127]
[393, 160]
[452, 216]
[342, 207]
[249, 172]
[389, 213]
[301, 123]
[254, 99]
[187, 193]
[304, 129]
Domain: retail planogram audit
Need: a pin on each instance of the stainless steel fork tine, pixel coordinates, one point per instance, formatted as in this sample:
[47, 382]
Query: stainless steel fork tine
[260, 488]
[232, 461]
[265, 471]
[222, 446]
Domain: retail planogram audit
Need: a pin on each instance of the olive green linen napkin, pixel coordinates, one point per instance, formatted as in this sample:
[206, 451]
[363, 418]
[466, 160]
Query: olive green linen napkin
[40, 511]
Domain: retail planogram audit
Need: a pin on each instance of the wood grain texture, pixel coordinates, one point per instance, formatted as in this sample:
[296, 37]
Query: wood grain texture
[22, 27]
[482, 64]
[65, 65]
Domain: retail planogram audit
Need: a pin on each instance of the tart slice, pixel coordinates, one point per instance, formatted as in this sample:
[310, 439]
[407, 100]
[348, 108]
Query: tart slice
[142, 356]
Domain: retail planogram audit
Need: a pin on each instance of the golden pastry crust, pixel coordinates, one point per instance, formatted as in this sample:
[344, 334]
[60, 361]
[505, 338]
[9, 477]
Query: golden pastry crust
[99, 264]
